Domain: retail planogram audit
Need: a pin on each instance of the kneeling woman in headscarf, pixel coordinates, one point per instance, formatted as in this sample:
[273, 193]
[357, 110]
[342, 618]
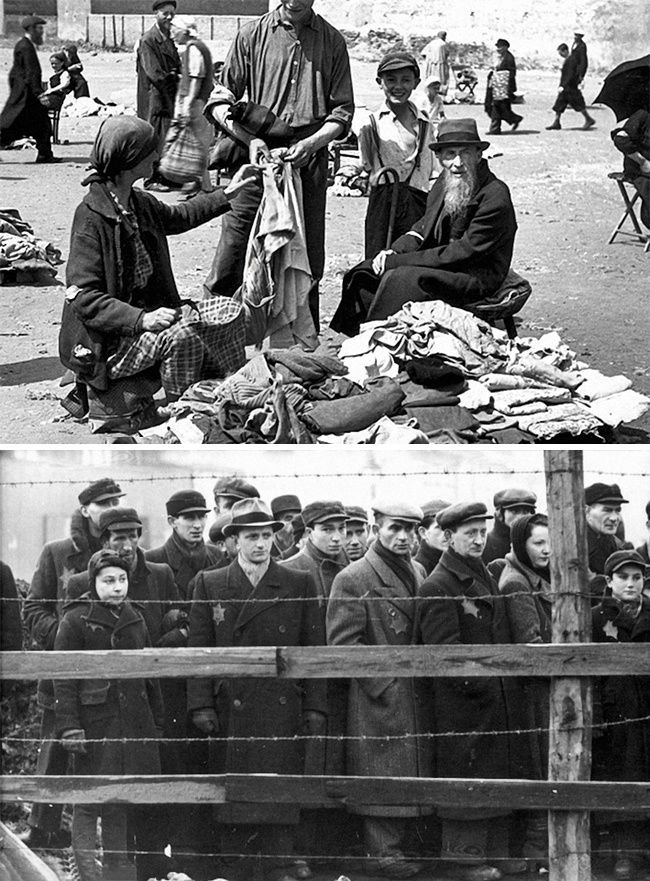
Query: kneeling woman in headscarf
[122, 313]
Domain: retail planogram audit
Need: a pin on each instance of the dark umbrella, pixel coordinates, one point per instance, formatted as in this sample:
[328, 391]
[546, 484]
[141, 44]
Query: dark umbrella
[627, 88]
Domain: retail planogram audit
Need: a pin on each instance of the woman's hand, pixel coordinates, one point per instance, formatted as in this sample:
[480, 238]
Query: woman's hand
[244, 177]
[160, 319]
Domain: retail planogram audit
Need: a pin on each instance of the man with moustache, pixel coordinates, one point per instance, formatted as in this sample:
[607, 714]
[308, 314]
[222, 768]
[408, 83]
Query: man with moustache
[432, 537]
[459, 252]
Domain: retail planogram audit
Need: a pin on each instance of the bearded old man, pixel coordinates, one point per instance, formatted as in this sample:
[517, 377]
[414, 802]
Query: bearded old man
[459, 252]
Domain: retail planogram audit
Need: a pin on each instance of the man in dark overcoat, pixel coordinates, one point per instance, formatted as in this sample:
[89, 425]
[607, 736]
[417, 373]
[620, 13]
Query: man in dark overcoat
[458, 604]
[357, 532]
[432, 538]
[284, 508]
[502, 94]
[58, 562]
[256, 602]
[459, 252]
[23, 114]
[373, 603]
[603, 512]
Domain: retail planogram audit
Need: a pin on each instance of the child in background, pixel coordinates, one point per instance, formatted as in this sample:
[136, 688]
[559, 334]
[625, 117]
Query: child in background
[79, 84]
[60, 83]
[621, 748]
[435, 104]
[94, 714]
[396, 136]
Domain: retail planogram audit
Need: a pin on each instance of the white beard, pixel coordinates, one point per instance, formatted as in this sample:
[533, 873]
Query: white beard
[459, 190]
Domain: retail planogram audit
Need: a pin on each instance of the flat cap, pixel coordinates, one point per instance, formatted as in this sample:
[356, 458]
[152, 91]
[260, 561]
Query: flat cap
[31, 20]
[158, 3]
[216, 529]
[356, 514]
[248, 513]
[604, 493]
[119, 518]
[622, 558]
[322, 510]
[406, 511]
[285, 505]
[434, 507]
[184, 501]
[99, 490]
[397, 59]
[236, 487]
[515, 498]
[463, 512]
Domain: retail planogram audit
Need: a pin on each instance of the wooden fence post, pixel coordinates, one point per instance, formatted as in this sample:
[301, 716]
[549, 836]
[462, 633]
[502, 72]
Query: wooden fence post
[570, 698]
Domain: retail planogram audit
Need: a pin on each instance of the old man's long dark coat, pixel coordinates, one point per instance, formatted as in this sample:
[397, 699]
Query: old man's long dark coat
[281, 610]
[23, 114]
[370, 605]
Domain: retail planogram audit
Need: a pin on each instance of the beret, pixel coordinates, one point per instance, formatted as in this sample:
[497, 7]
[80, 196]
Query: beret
[399, 510]
[324, 509]
[31, 20]
[119, 518]
[604, 492]
[235, 487]
[621, 558]
[216, 529]
[463, 512]
[398, 60]
[248, 513]
[184, 501]
[515, 498]
[434, 507]
[356, 513]
[285, 504]
[106, 488]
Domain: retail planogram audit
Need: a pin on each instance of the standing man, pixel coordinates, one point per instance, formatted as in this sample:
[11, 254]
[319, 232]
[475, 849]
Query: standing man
[284, 509]
[502, 80]
[435, 56]
[58, 562]
[23, 113]
[295, 64]
[255, 602]
[357, 532]
[432, 537]
[579, 50]
[603, 512]
[373, 603]
[458, 605]
[508, 505]
[158, 68]
[569, 94]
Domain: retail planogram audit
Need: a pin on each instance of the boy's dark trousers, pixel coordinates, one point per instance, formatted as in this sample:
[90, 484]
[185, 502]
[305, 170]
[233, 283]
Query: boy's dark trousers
[411, 205]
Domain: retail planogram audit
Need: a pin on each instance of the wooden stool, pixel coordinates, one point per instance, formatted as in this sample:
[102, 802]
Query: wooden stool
[629, 212]
[55, 116]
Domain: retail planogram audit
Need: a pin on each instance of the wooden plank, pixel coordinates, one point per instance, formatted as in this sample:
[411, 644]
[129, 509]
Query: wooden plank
[333, 662]
[329, 791]
[20, 860]
[570, 697]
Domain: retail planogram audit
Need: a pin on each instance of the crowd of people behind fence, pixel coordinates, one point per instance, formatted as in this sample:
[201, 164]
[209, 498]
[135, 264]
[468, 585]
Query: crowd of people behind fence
[284, 573]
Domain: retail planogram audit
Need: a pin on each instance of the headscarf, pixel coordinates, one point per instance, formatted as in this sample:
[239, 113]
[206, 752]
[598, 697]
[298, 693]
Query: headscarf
[520, 532]
[121, 143]
[102, 560]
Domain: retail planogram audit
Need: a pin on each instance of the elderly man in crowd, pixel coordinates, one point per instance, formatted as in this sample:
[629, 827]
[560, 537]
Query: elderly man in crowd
[508, 505]
[459, 252]
[373, 603]
[295, 64]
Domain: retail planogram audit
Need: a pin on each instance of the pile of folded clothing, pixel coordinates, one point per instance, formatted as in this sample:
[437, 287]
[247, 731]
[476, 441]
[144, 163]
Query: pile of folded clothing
[431, 373]
[20, 250]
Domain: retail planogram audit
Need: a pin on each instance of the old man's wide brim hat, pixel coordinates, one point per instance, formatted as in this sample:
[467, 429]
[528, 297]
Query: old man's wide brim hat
[249, 513]
[458, 133]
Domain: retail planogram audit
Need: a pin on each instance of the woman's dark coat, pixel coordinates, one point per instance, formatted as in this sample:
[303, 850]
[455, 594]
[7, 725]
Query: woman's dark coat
[282, 609]
[109, 708]
[100, 308]
[456, 606]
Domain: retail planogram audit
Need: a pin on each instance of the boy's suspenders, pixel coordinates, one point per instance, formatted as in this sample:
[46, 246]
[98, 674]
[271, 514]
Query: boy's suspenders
[423, 127]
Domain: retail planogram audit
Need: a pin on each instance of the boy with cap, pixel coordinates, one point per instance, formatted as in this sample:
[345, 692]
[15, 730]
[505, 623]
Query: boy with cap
[323, 555]
[373, 603]
[254, 601]
[432, 538]
[622, 751]
[397, 136]
[356, 532]
[59, 560]
[509, 504]
[457, 606]
[569, 94]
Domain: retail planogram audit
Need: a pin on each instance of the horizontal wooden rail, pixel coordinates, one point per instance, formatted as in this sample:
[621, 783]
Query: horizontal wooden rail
[329, 791]
[341, 662]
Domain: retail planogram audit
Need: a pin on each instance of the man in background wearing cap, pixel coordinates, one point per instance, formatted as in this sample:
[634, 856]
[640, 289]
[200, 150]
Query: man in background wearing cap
[373, 603]
[620, 752]
[59, 560]
[228, 490]
[569, 94]
[432, 537]
[23, 114]
[508, 505]
[284, 509]
[435, 56]
[298, 538]
[501, 88]
[644, 549]
[457, 606]
[579, 49]
[158, 67]
[459, 252]
[256, 602]
[356, 532]
[603, 512]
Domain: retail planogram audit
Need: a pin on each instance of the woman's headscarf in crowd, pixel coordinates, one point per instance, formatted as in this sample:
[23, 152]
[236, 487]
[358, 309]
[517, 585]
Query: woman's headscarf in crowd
[102, 560]
[121, 143]
[520, 532]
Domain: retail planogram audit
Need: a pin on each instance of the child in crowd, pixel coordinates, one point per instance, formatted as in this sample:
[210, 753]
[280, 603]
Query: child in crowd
[94, 714]
[397, 136]
[621, 749]
[60, 83]
[79, 84]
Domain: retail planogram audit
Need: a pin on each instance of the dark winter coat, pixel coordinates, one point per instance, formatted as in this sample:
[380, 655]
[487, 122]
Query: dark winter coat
[281, 610]
[428, 557]
[184, 566]
[158, 67]
[109, 708]
[497, 543]
[100, 308]
[370, 605]
[11, 628]
[25, 84]
[457, 606]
